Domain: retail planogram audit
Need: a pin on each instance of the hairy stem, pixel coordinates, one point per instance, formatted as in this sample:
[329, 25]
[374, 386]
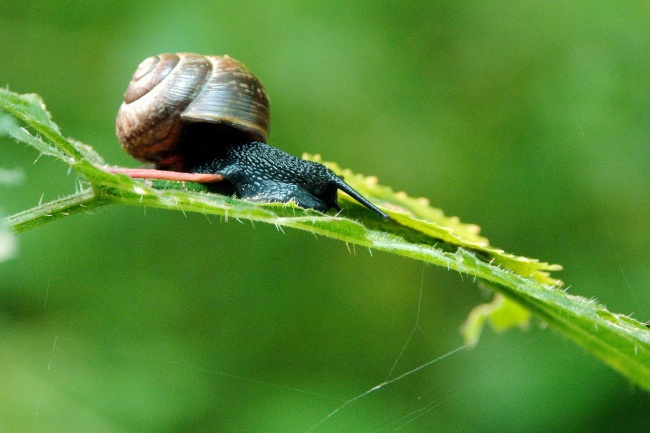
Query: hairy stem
[82, 201]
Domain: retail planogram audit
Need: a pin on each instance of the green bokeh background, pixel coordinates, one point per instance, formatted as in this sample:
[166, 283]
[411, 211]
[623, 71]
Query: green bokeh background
[531, 119]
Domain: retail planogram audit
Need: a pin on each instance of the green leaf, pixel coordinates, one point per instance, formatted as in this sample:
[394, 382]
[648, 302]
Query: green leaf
[419, 217]
[502, 314]
[416, 230]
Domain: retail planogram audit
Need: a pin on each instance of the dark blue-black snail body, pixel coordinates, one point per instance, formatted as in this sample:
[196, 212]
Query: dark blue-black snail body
[206, 114]
[260, 172]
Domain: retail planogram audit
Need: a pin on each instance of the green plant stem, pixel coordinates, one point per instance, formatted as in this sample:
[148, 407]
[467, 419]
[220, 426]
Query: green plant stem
[82, 201]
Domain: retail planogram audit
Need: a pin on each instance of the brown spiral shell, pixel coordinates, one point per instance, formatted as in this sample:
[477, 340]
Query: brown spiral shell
[169, 90]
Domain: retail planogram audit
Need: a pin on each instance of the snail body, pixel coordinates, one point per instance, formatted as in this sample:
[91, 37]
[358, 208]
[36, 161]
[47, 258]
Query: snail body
[209, 115]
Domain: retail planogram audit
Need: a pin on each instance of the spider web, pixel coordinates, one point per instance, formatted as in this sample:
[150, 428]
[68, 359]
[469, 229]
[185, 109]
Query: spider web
[63, 346]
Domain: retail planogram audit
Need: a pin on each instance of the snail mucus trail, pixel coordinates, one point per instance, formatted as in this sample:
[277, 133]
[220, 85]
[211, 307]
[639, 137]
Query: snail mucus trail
[206, 119]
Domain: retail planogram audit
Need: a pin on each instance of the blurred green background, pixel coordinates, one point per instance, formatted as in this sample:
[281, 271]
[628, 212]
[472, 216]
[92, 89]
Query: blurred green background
[531, 119]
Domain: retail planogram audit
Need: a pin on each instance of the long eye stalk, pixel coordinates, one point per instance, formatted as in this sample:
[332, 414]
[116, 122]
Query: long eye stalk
[361, 199]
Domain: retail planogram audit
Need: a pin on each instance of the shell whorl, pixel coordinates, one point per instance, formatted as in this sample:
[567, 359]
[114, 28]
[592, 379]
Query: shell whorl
[168, 90]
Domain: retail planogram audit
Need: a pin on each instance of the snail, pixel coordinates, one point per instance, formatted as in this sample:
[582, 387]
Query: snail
[206, 119]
